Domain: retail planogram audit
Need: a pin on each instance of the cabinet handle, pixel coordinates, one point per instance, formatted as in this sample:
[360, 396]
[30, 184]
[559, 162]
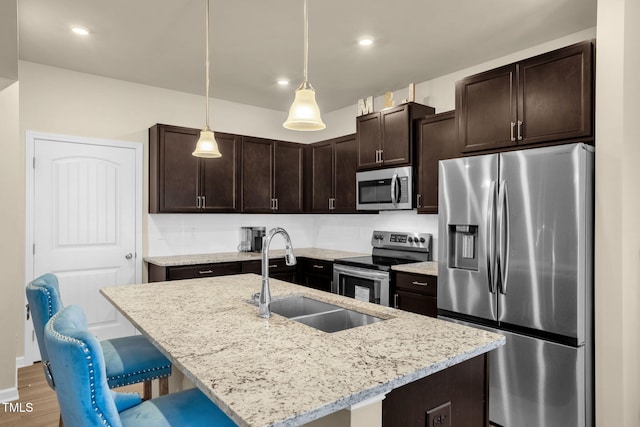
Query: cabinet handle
[420, 283]
[204, 202]
[418, 196]
[198, 202]
[275, 204]
[205, 271]
[519, 130]
[273, 266]
[381, 153]
[513, 125]
[395, 301]
[321, 267]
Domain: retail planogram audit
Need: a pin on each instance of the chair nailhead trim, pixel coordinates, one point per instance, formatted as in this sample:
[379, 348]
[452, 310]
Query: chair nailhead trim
[92, 379]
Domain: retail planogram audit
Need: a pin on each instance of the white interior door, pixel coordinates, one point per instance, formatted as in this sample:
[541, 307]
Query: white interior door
[84, 224]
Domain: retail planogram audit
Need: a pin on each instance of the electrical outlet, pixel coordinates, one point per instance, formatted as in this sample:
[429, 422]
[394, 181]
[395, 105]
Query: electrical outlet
[439, 416]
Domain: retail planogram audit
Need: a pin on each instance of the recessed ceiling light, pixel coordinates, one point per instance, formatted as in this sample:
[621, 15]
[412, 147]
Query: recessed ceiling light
[283, 82]
[81, 31]
[366, 41]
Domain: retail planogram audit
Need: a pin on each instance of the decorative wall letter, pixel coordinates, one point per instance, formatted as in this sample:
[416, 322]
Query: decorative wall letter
[365, 106]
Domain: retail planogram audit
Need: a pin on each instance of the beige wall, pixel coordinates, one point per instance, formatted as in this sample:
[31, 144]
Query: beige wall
[12, 241]
[617, 205]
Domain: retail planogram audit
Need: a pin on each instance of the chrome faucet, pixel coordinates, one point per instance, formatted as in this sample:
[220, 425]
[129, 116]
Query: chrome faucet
[264, 302]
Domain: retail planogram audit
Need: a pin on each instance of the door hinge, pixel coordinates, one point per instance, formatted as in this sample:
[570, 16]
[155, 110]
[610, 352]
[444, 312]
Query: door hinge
[34, 162]
[34, 249]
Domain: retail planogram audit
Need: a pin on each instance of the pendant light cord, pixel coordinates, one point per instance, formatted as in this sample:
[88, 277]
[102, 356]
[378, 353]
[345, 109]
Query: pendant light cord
[207, 65]
[306, 40]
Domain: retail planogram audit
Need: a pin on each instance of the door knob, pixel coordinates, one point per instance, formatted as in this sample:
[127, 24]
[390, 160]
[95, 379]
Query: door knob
[129, 256]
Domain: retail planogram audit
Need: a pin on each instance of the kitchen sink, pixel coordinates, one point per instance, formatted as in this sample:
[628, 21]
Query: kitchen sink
[321, 315]
[339, 320]
[301, 306]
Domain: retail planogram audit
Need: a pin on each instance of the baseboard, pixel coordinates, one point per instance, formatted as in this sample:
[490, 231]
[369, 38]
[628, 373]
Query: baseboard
[20, 362]
[9, 394]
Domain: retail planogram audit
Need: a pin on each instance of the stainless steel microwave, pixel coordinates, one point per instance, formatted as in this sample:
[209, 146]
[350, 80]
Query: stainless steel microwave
[385, 189]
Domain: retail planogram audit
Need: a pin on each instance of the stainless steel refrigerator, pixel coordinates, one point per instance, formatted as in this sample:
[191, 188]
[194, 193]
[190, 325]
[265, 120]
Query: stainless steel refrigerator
[515, 245]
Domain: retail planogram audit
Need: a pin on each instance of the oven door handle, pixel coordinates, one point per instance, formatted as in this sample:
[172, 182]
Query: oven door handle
[360, 272]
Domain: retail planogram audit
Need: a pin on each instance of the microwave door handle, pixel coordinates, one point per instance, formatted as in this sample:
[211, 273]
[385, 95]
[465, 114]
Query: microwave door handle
[394, 189]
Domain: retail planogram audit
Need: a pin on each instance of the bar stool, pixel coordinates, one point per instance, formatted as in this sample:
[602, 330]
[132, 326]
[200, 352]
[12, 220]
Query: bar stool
[128, 360]
[79, 376]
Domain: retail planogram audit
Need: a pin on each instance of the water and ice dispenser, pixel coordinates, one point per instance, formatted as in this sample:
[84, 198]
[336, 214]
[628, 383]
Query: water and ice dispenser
[463, 246]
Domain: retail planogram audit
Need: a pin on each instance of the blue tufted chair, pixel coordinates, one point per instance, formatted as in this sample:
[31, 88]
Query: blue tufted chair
[79, 375]
[129, 360]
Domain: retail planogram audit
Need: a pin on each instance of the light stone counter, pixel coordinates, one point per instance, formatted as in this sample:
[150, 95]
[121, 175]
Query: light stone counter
[316, 253]
[430, 268]
[279, 372]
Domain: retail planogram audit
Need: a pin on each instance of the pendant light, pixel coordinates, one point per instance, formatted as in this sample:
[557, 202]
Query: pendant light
[304, 113]
[207, 146]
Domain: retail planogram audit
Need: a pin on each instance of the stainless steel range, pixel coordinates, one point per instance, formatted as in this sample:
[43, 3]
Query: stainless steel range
[368, 278]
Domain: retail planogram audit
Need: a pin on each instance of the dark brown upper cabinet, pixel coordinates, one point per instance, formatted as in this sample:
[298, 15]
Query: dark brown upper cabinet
[386, 138]
[437, 140]
[544, 99]
[331, 170]
[182, 183]
[272, 177]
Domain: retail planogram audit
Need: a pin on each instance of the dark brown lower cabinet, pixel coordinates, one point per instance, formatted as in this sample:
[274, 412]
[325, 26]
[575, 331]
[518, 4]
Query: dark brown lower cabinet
[161, 274]
[278, 269]
[316, 274]
[416, 293]
[457, 396]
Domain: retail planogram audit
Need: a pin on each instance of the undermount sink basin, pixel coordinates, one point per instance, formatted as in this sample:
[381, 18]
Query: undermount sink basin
[340, 320]
[321, 315]
[300, 306]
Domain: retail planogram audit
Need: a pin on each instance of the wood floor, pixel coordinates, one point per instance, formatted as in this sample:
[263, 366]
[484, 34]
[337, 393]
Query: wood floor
[37, 406]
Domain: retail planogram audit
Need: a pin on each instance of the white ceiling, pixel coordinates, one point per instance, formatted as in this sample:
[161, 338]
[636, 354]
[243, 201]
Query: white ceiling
[255, 42]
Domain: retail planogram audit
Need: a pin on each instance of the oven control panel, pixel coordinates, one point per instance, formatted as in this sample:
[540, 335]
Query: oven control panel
[401, 240]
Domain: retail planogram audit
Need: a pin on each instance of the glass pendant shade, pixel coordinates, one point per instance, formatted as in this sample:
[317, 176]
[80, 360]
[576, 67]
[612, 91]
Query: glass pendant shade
[207, 146]
[304, 113]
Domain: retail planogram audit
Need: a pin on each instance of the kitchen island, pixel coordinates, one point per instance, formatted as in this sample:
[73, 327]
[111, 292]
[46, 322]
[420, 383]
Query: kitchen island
[279, 372]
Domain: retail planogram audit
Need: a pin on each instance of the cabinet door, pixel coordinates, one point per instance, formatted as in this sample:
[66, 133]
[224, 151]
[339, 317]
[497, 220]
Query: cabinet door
[221, 177]
[555, 95]
[287, 179]
[369, 137]
[321, 176]
[437, 140]
[417, 303]
[345, 165]
[486, 107]
[257, 164]
[174, 178]
[396, 142]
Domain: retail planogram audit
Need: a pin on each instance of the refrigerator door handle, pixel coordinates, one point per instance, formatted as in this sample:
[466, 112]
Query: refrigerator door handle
[490, 242]
[503, 224]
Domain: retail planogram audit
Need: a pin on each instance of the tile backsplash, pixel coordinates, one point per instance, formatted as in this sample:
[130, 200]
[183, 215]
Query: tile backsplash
[180, 234]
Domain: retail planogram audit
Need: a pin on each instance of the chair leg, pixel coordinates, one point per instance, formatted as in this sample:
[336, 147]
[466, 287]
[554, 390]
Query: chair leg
[60, 423]
[146, 393]
[163, 385]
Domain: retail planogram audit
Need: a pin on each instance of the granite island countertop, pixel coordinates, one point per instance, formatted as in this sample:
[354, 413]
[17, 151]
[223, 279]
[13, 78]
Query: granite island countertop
[279, 372]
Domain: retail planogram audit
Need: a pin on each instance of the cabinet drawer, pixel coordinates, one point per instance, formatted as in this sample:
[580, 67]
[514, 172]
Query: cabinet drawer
[203, 270]
[427, 285]
[276, 265]
[318, 267]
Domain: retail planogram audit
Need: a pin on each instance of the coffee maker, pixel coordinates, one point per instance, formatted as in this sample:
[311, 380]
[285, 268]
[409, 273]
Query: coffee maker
[251, 239]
